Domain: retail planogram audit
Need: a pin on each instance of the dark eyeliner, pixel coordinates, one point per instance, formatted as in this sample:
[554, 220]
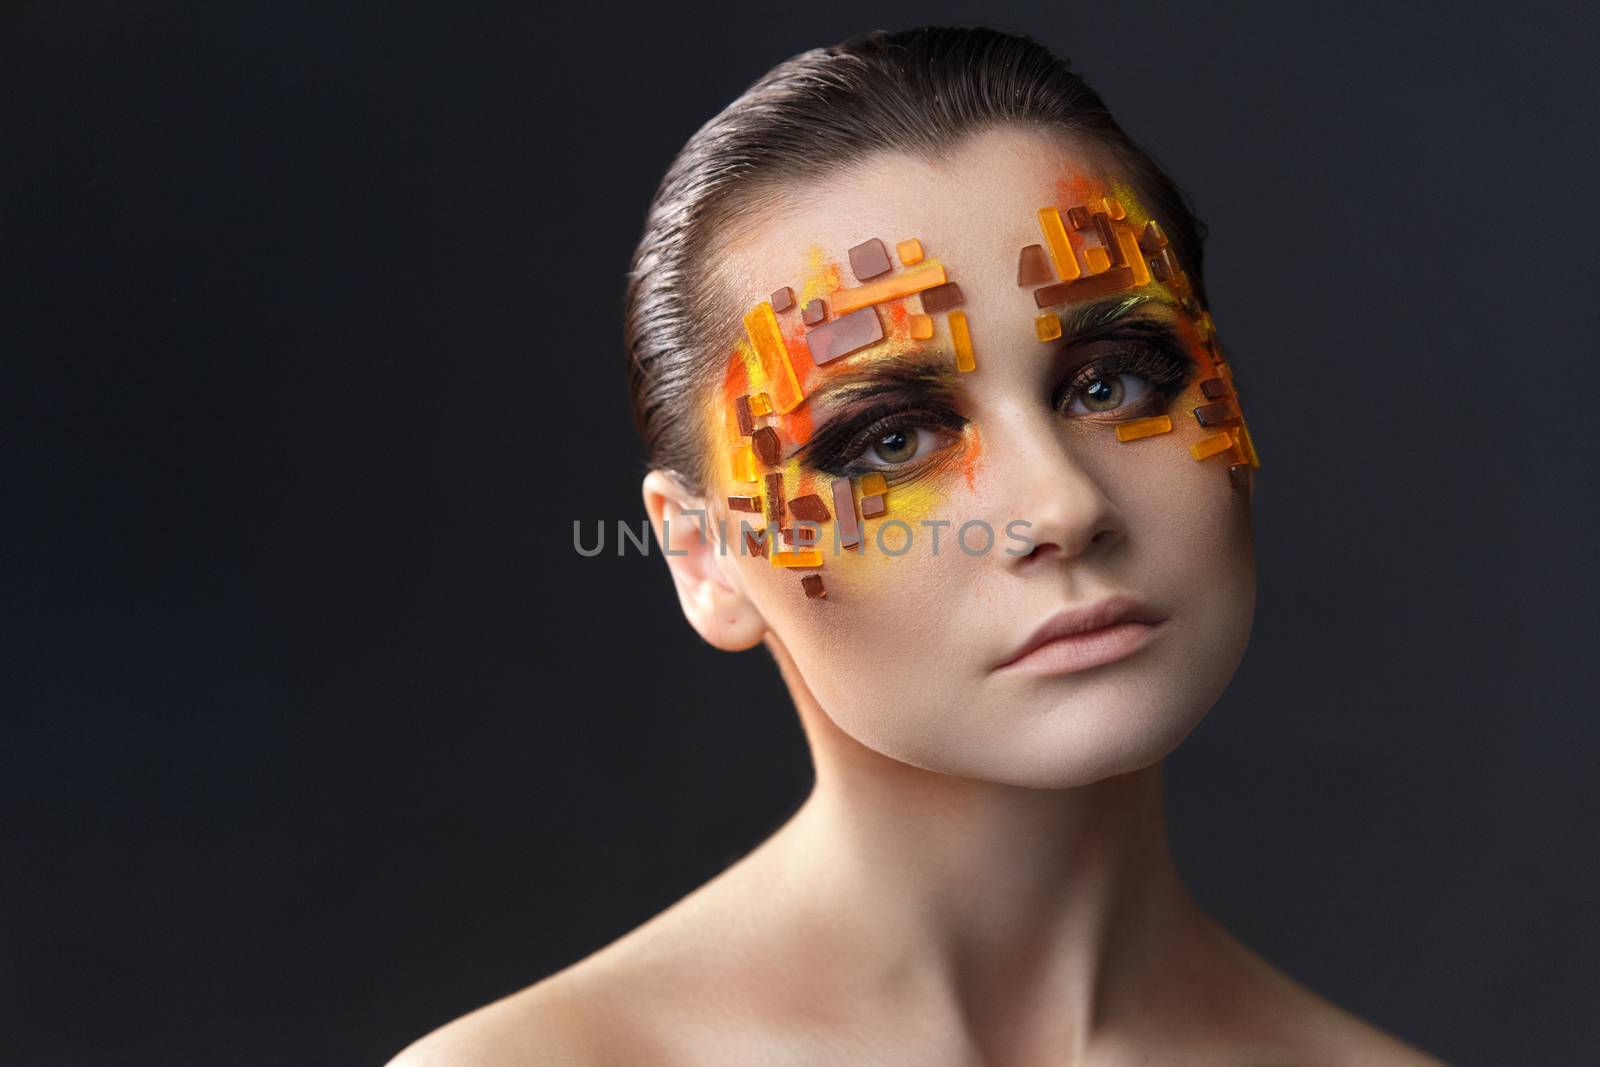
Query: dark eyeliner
[1148, 349]
[833, 448]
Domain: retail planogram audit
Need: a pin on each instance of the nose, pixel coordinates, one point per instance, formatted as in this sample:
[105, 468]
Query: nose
[1051, 499]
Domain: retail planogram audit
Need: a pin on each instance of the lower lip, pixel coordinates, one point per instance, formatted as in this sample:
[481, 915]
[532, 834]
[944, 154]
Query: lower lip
[1081, 651]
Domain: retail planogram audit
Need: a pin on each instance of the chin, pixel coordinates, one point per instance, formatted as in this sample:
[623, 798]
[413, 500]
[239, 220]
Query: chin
[1043, 746]
[1058, 731]
[1119, 739]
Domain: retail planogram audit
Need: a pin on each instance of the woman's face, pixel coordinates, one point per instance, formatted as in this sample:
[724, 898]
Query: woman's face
[1007, 494]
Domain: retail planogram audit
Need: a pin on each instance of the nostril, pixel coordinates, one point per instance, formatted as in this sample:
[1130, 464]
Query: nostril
[1042, 550]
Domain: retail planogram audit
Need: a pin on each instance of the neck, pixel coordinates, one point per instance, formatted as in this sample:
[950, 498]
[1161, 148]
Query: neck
[1000, 900]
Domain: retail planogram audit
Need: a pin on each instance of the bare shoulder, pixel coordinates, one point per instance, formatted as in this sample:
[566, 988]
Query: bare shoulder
[530, 1028]
[638, 999]
[1279, 1020]
[565, 1019]
[1327, 1033]
[1335, 1036]
[1371, 1045]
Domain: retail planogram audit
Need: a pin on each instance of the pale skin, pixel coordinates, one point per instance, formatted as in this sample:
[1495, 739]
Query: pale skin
[981, 873]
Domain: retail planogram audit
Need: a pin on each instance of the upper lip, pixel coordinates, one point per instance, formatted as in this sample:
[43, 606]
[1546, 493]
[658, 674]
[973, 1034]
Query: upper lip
[1102, 613]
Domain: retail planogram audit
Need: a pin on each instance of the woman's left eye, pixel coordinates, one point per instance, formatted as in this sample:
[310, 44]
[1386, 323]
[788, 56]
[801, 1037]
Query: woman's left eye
[1109, 394]
[1134, 382]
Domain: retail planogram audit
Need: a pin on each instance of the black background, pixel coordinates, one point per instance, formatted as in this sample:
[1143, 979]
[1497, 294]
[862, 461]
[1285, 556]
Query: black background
[316, 731]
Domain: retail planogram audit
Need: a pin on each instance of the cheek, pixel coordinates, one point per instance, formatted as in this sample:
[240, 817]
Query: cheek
[869, 653]
[1204, 422]
[1190, 514]
[1187, 495]
[886, 594]
[902, 574]
[828, 545]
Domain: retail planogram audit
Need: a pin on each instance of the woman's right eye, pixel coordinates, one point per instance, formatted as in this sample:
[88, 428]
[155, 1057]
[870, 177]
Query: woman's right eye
[892, 442]
[902, 445]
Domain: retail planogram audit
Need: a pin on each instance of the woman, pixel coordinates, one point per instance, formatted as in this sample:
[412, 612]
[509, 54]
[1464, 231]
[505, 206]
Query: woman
[936, 413]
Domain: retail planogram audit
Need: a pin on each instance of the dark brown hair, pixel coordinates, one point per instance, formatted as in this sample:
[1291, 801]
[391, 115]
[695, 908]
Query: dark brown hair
[918, 91]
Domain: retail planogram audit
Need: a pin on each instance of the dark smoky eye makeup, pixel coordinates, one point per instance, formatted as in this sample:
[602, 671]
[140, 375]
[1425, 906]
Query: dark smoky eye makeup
[1146, 349]
[840, 447]
[1101, 361]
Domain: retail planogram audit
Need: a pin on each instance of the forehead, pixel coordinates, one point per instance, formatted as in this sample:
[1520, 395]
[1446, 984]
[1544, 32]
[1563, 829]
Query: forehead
[972, 206]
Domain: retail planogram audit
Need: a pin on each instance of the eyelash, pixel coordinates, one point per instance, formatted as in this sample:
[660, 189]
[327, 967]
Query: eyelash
[1167, 374]
[840, 460]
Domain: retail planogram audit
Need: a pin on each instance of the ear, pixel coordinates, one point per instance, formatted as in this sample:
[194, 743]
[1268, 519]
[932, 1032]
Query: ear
[712, 601]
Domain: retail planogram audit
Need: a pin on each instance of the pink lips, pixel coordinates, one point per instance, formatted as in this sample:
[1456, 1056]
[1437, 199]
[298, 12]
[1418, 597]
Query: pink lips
[1077, 639]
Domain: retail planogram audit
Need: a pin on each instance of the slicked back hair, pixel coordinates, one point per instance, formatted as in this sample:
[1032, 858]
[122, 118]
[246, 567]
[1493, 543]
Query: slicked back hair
[919, 91]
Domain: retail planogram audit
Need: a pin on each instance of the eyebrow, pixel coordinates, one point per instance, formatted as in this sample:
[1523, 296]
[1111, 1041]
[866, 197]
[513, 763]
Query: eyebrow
[1082, 320]
[1089, 319]
[923, 371]
[926, 372]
